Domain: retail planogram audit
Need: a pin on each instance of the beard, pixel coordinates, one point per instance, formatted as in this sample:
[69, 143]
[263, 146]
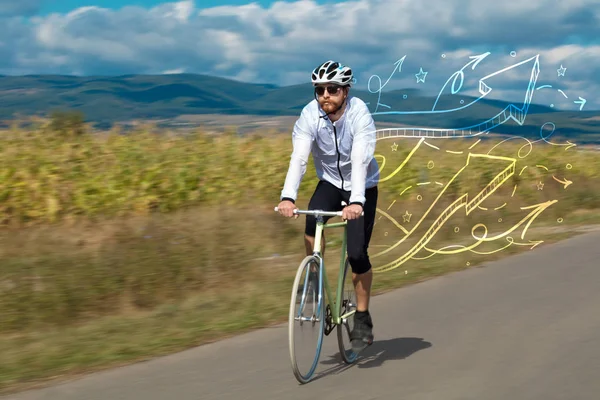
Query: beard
[331, 105]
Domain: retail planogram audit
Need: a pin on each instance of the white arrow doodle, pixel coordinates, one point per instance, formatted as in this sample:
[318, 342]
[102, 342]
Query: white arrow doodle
[484, 89]
[581, 102]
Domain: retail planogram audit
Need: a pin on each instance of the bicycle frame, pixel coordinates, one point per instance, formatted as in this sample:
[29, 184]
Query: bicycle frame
[333, 302]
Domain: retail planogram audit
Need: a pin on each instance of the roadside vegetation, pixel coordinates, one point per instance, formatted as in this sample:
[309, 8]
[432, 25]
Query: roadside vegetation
[119, 247]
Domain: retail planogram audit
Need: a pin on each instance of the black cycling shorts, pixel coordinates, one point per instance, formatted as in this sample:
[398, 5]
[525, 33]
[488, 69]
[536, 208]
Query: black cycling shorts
[327, 197]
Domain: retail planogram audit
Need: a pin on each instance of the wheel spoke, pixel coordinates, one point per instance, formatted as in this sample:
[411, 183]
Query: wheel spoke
[308, 322]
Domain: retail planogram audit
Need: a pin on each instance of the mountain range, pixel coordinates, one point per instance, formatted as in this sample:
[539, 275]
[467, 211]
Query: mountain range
[105, 100]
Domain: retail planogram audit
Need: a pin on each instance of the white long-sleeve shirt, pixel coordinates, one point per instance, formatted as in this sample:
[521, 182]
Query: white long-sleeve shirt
[342, 151]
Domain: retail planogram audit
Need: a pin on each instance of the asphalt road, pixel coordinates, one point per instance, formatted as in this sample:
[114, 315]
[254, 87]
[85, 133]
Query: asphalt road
[525, 327]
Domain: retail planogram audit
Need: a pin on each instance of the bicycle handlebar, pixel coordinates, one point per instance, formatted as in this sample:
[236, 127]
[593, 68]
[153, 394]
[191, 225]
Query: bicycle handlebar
[319, 212]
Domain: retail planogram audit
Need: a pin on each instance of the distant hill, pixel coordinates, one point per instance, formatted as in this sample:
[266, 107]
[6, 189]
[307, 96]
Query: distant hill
[106, 100]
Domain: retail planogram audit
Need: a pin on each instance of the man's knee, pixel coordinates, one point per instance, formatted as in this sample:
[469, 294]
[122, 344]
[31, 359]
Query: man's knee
[359, 261]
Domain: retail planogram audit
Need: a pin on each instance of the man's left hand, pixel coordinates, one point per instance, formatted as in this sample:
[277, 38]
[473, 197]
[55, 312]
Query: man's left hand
[352, 211]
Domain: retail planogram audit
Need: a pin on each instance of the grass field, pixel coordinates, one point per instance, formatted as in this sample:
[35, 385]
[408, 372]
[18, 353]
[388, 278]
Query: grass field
[116, 248]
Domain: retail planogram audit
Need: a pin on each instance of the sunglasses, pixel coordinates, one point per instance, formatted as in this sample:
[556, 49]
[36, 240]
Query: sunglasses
[320, 90]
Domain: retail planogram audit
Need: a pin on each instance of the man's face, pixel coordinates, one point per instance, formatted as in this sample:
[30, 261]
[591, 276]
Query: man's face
[330, 96]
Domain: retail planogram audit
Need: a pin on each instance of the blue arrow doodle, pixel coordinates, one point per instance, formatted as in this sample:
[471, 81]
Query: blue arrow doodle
[397, 66]
[475, 60]
[484, 89]
[581, 101]
[517, 114]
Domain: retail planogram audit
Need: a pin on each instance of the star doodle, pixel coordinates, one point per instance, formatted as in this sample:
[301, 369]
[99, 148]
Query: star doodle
[406, 216]
[421, 75]
[540, 186]
[561, 71]
[394, 147]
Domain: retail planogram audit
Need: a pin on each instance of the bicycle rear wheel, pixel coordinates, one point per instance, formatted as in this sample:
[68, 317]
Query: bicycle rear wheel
[347, 305]
[306, 319]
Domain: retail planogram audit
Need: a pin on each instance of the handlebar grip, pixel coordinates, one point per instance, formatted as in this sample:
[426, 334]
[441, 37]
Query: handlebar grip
[277, 209]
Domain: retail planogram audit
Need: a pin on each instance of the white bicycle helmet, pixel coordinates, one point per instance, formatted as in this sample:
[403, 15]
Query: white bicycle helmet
[332, 72]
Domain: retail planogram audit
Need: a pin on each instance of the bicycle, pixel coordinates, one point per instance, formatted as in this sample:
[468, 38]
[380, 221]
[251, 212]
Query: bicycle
[339, 310]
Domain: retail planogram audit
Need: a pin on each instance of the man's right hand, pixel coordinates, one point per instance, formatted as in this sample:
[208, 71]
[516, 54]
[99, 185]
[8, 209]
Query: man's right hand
[286, 208]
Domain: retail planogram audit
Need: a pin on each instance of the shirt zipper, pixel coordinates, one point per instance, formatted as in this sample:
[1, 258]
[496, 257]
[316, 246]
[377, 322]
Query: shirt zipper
[338, 155]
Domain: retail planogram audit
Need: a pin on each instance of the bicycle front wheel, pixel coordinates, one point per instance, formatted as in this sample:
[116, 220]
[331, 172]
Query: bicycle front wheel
[306, 319]
[346, 309]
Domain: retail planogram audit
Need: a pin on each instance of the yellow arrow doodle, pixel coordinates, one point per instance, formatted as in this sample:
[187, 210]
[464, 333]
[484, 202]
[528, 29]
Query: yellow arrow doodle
[570, 145]
[462, 248]
[538, 209]
[566, 182]
[471, 205]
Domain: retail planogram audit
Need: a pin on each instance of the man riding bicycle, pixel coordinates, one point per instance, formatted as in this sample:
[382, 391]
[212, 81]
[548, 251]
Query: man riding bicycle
[339, 131]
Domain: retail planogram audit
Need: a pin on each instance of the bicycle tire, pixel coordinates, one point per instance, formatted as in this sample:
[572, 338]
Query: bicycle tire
[347, 304]
[320, 310]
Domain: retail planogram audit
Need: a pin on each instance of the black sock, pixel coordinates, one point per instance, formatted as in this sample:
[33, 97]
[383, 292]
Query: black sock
[363, 315]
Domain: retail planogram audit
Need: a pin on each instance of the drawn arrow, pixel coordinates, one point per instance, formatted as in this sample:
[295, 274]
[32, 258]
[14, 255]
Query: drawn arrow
[580, 101]
[532, 243]
[475, 60]
[398, 67]
[545, 137]
[566, 182]
[469, 203]
[537, 209]
[461, 248]
[510, 112]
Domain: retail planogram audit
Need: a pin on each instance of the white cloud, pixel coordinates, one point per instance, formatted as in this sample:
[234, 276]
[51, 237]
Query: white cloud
[20, 7]
[281, 44]
[174, 71]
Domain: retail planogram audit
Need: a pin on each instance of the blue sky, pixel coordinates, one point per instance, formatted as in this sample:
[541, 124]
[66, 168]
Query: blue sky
[63, 6]
[281, 42]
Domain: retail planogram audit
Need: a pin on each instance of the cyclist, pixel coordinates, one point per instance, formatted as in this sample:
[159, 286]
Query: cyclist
[339, 131]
